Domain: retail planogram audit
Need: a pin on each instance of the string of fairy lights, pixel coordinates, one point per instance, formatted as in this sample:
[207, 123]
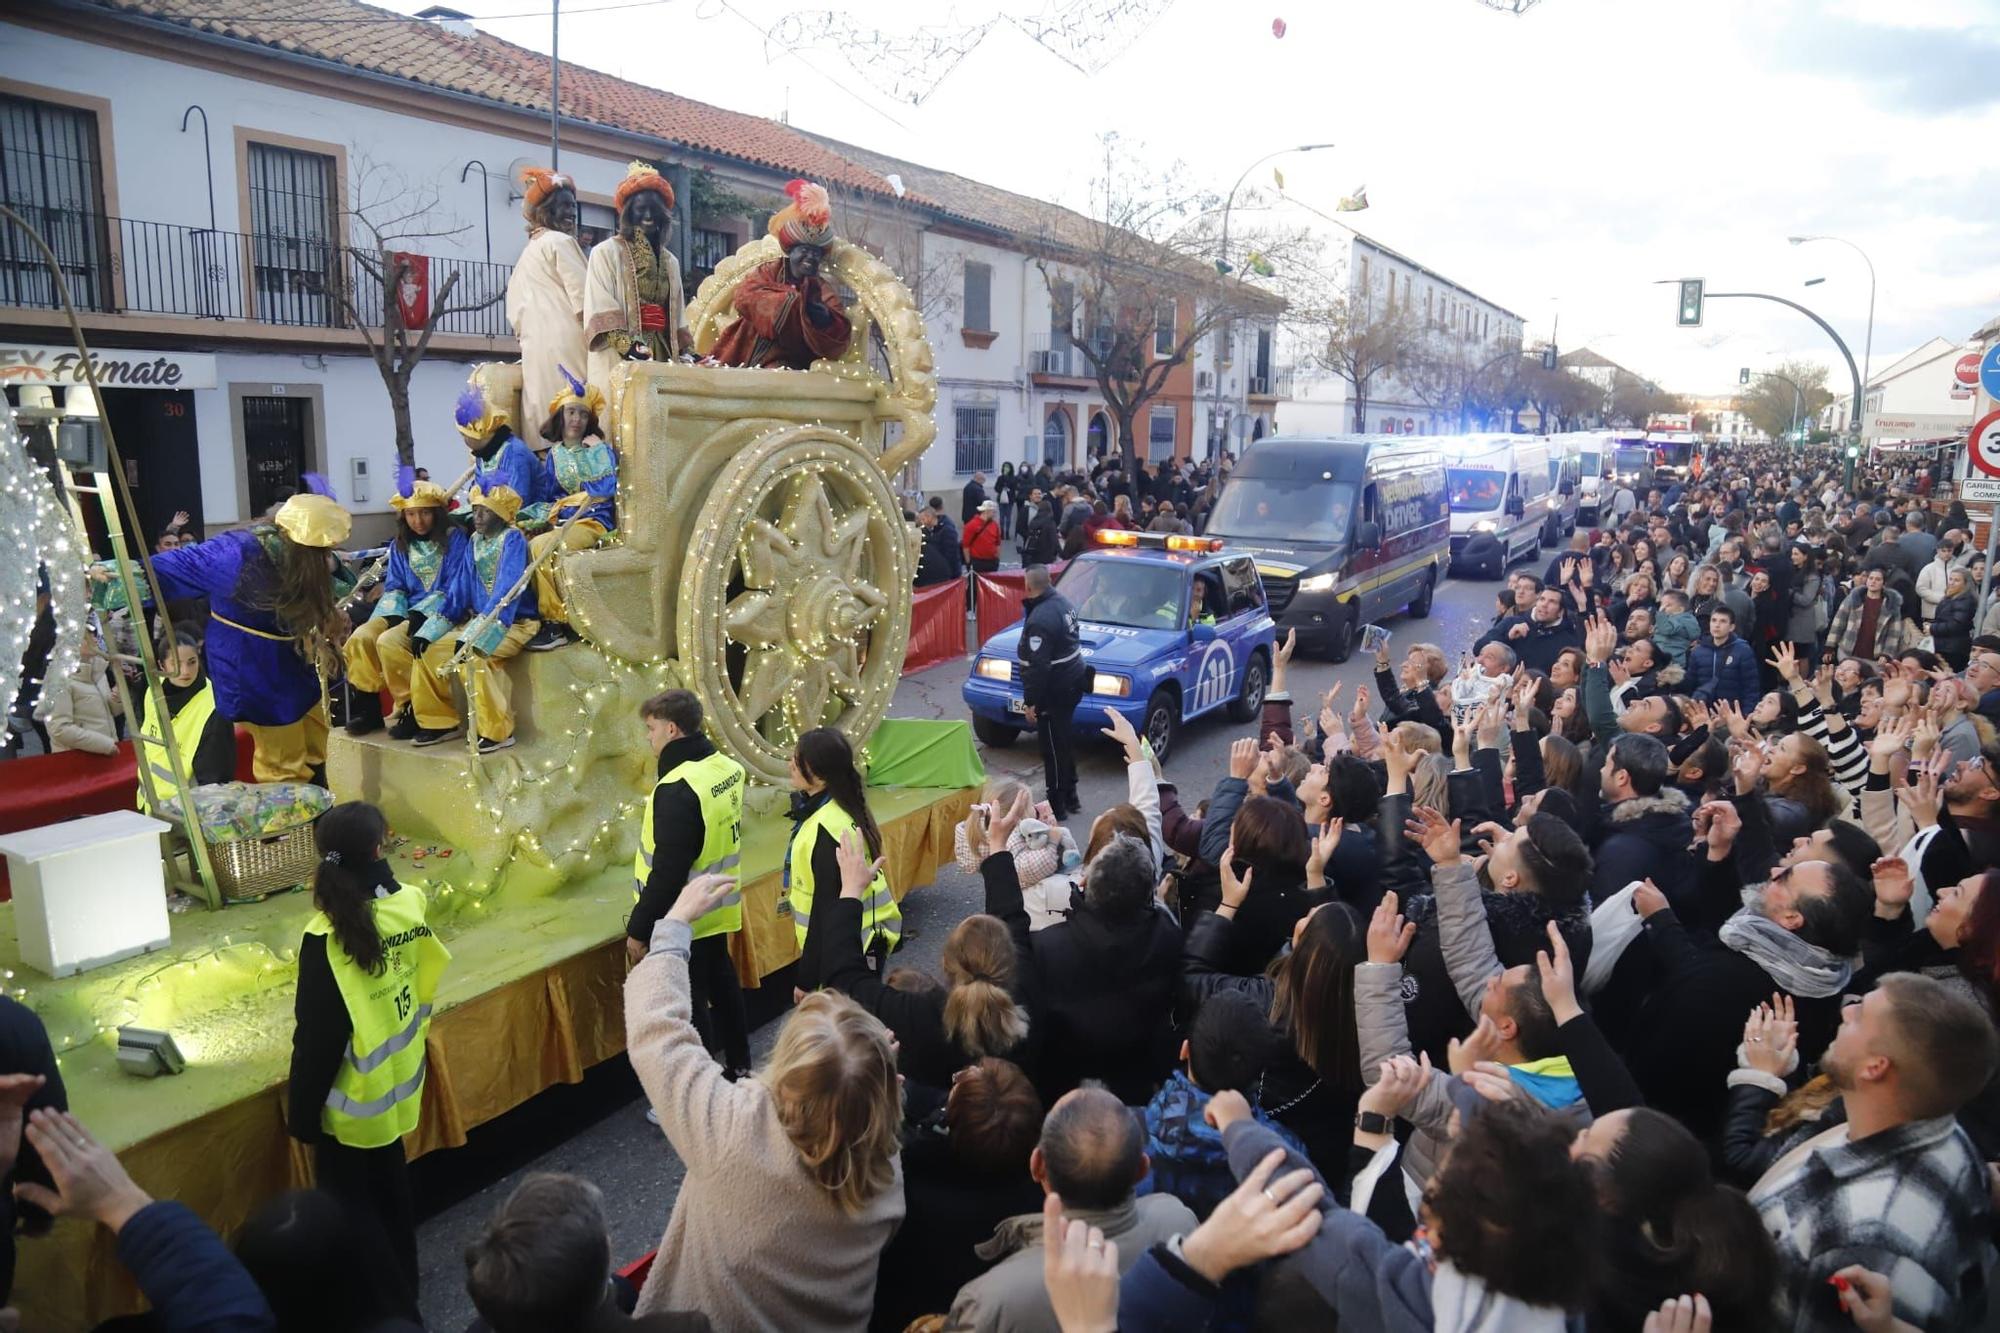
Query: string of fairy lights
[910, 65]
[37, 528]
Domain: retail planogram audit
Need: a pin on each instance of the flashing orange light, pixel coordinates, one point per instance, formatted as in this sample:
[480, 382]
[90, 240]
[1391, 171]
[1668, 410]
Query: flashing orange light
[1194, 544]
[1118, 537]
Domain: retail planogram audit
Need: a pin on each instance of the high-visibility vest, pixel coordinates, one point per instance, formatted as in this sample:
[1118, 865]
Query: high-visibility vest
[717, 784]
[378, 1089]
[188, 724]
[880, 917]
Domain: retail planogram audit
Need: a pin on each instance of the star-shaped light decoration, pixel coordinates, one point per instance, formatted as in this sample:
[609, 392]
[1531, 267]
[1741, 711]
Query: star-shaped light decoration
[805, 609]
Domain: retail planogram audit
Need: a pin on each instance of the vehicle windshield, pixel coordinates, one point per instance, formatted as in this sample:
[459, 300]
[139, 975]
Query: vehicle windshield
[1283, 509]
[1115, 591]
[1476, 487]
[1592, 464]
[1633, 460]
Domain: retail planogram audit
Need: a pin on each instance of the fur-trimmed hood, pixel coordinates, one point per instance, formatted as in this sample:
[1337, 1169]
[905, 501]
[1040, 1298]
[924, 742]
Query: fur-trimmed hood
[1669, 801]
[1670, 674]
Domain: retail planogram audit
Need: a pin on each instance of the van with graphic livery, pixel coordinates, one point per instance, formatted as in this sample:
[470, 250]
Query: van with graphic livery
[1346, 530]
[1504, 501]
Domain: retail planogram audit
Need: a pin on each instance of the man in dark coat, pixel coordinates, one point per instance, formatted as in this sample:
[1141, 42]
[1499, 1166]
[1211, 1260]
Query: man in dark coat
[941, 560]
[1644, 829]
[1539, 637]
[1053, 679]
[973, 496]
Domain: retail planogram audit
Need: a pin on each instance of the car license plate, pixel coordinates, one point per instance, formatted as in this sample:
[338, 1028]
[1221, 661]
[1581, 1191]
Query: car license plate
[1017, 706]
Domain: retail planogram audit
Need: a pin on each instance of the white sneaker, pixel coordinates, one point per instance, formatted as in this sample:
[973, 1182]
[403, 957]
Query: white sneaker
[652, 1117]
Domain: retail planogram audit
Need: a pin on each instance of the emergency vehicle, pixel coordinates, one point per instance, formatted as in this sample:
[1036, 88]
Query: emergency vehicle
[1171, 628]
[1347, 530]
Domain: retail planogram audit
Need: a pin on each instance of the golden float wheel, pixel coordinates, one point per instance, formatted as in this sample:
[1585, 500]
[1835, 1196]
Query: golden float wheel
[794, 610]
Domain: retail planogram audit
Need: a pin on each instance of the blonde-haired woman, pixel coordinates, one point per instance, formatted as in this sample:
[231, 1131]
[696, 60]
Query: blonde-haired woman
[806, 1149]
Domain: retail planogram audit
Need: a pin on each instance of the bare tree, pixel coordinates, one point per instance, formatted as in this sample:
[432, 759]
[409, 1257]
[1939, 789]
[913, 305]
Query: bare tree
[391, 214]
[1151, 277]
[1634, 401]
[1359, 343]
[1772, 405]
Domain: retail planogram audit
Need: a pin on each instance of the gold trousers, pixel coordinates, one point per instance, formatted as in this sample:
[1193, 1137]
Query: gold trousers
[289, 753]
[430, 687]
[380, 656]
[582, 535]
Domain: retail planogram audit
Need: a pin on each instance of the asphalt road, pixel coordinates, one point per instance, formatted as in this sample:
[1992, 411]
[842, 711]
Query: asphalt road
[598, 1128]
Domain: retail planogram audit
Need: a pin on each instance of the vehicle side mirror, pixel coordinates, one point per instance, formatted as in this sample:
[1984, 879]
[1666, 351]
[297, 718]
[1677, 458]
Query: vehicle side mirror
[1201, 633]
[1516, 506]
[1569, 488]
[1368, 535]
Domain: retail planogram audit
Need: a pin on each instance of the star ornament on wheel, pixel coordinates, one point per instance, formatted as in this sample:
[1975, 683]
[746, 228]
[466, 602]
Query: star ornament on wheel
[805, 611]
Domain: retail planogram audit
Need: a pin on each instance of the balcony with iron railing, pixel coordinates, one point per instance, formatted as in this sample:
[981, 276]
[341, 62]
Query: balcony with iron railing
[1054, 358]
[128, 267]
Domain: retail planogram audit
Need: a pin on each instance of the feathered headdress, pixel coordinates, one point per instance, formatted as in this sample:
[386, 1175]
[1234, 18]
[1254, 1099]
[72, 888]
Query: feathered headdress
[576, 391]
[807, 220]
[641, 176]
[538, 183]
[476, 417]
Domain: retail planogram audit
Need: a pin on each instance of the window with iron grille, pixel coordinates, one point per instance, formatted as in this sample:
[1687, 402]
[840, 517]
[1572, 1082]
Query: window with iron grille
[50, 174]
[1160, 432]
[709, 249]
[972, 438]
[294, 235]
[979, 297]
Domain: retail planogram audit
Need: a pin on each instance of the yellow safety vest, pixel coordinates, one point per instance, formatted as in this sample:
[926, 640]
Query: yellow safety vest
[378, 1090]
[717, 784]
[880, 917]
[188, 725]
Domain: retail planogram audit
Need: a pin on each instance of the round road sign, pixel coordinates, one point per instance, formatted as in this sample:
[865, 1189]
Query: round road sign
[1966, 372]
[1983, 444]
[1989, 371]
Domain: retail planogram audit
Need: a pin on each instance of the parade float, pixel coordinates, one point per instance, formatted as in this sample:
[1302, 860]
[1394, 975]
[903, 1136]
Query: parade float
[763, 561]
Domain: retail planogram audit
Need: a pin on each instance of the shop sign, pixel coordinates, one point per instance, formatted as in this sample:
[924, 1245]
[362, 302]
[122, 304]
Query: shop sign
[117, 368]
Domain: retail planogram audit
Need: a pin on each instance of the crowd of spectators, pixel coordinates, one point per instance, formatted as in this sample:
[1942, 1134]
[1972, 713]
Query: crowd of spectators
[1639, 973]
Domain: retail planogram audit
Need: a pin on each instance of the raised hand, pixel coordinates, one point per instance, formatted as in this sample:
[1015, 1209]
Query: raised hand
[1359, 713]
[1786, 659]
[89, 1180]
[1434, 833]
[1400, 1081]
[1483, 1043]
[1681, 1314]
[1491, 721]
[1647, 899]
[1004, 822]
[1235, 890]
[1893, 886]
[1322, 851]
[1747, 767]
[1732, 717]
[1558, 977]
[1600, 641]
[1891, 738]
[1398, 760]
[1718, 823]
[857, 871]
[1121, 731]
[1264, 1218]
[1080, 1270]
[1281, 656]
[1243, 758]
[1490, 1079]
[1389, 935]
[1920, 797]
[1770, 1036]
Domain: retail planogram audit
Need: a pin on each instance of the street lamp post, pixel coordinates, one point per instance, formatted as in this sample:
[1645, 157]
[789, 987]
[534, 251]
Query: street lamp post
[1868, 342]
[1217, 439]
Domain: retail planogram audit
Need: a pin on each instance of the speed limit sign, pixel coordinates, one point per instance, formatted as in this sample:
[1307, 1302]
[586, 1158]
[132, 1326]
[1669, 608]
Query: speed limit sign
[1983, 444]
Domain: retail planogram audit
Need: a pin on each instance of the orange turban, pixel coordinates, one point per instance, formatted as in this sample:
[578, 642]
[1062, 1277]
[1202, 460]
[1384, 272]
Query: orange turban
[641, 176]
[538, 183]
[807, 220]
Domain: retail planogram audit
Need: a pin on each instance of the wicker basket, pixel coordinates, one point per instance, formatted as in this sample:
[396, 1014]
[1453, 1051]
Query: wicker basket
[253, 868]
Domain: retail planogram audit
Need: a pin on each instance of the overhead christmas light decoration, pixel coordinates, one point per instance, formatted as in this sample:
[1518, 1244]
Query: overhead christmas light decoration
[909, 66]
[1516, 7]
[37, 526]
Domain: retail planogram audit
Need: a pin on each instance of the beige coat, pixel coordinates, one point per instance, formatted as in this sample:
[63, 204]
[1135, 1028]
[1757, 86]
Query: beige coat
[609, 305]
[754, 1243]
[78, 712]
[545, 306]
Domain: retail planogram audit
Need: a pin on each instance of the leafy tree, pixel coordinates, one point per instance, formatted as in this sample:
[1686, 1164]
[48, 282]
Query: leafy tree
[1772, 404]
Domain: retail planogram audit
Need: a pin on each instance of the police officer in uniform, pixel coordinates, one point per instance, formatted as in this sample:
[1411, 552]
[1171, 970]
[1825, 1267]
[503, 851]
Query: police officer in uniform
[828, 800]
[1054, 678]
[368, 971]
[693, 825]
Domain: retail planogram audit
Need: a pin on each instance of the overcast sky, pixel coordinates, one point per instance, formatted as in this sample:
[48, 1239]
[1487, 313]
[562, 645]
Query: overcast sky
[1556, 162]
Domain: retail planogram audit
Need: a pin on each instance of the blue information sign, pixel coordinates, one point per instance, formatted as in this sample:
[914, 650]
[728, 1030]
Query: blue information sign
[1989, 371]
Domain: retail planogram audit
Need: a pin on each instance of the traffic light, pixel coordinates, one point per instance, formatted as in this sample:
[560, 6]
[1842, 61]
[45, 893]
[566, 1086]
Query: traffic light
[1690, 313]
[1743, 375]
[1549, 356]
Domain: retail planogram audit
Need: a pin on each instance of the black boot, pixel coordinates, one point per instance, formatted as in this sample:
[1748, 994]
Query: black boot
[1072, 804]
[364, 712]
[403, 726]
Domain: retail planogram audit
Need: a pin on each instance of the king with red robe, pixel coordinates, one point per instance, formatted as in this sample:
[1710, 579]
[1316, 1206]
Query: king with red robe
[786, 314]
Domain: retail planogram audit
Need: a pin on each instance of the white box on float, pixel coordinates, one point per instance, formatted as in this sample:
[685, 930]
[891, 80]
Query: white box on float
[88, 892]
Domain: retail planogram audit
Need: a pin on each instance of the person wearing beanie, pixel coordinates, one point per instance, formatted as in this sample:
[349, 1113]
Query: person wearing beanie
[787, 315]
[477, 610]
[545, 289]
[632, 303]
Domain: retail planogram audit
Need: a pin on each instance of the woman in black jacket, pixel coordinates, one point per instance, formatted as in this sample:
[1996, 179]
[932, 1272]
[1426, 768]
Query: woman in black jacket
[1309, 994]
[1951, 627]
[183, 676]
[1005, 492]
[940, 1027]
[1264, 880]
[1041, 542]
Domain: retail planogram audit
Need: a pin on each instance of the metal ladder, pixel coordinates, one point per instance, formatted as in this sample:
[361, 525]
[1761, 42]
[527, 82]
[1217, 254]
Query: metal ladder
[135, 573]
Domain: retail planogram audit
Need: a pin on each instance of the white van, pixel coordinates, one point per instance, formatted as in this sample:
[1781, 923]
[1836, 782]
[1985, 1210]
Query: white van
[1502, 501]
[1592, 449]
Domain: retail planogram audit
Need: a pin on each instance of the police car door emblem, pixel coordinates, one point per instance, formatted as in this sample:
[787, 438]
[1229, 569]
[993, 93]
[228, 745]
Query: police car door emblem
[1212, 677]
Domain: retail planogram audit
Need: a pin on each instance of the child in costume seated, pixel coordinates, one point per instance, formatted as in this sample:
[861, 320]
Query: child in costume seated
[476, 604]
[499, 457]
[582, 472]
[380, 653]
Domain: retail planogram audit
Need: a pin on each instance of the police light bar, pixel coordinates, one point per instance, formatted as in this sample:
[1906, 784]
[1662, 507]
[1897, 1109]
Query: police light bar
[1158, 541]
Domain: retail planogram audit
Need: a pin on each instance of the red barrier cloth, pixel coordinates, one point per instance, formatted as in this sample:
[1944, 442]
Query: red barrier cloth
[999, 597]
[937, 626]
[49, 788]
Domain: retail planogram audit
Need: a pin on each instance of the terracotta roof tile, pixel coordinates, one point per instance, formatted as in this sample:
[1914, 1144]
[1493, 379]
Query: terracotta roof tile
[484, 66]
